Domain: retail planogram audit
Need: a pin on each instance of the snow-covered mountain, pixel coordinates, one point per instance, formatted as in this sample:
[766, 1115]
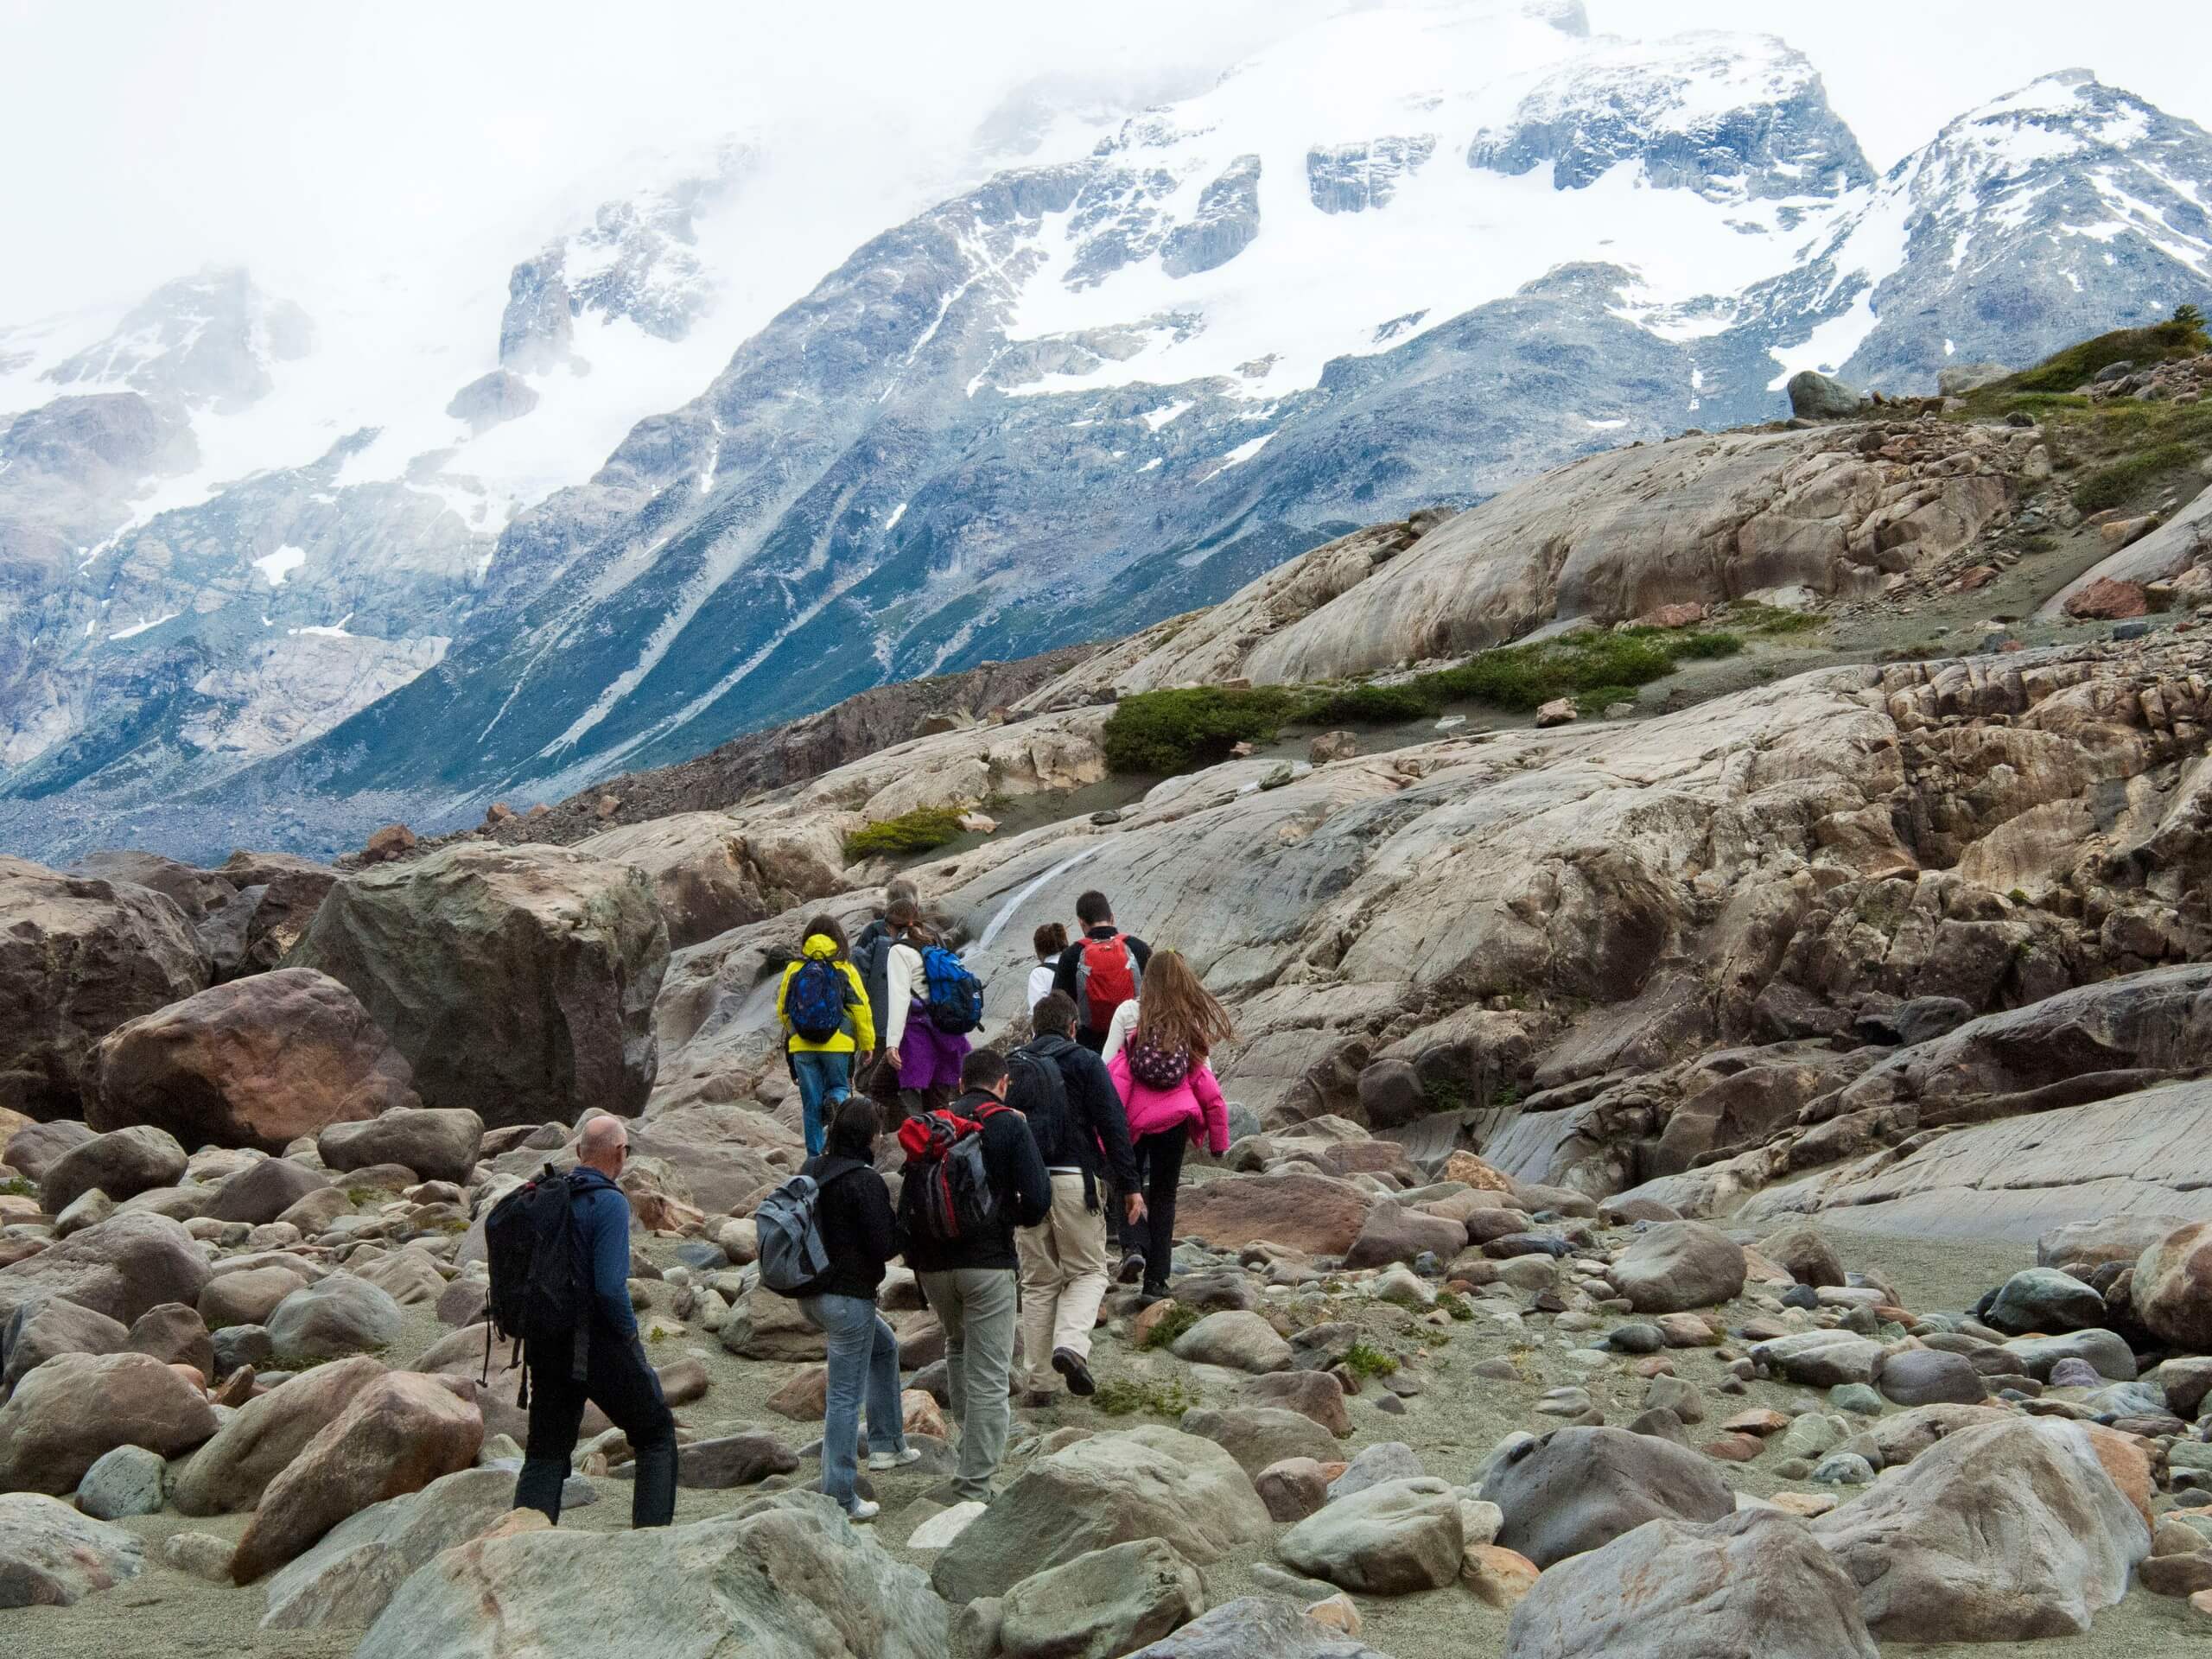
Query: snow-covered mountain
[268, 575]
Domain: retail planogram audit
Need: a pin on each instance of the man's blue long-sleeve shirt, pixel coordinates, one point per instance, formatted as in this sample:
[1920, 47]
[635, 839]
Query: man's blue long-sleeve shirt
[602, 1218]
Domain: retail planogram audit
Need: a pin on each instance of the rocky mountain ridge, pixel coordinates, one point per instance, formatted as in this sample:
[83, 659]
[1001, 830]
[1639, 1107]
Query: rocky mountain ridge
[1116, 382]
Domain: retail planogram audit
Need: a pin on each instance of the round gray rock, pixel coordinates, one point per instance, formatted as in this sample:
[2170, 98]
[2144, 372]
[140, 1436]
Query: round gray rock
[342, 1315]
[124, 1481]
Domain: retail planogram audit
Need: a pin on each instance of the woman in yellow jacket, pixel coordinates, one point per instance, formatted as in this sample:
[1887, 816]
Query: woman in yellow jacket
[828, 1024]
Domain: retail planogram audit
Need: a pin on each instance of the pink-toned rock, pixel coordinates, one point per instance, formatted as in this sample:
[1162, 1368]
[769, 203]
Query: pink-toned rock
[2173, 1288]
[1498, 1576]
[2109, 600]
[258, 1062]
[1672, 616]
[920, 1413]
[75, 1408]
[397, 1434]
[231, 1470]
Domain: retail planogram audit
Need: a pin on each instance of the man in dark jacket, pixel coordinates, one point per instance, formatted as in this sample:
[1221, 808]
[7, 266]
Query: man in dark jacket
[860, 1234]
[1082, 1133]
[612, 1371]
[1097, 916]
[969, 1282]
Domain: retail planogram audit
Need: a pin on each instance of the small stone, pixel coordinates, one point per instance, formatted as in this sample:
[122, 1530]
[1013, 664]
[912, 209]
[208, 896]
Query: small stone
[1844, 1468]
[1498, 1576]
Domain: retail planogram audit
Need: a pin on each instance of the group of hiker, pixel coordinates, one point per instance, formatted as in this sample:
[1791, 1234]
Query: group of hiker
[1014, 1164]
[1008, 1186]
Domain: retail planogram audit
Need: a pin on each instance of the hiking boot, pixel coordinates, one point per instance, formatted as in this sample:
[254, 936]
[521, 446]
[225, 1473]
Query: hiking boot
[1132, 1269]
[1069, 1363]
[862, 1510]
[898, 1459]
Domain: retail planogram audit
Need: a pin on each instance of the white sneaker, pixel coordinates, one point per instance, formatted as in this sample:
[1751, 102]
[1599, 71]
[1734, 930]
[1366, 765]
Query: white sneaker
[863, 1510]
[881, 1460]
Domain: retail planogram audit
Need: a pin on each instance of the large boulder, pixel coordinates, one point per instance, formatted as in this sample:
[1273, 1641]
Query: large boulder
[122, 1163]
[264, 1190]
[278, 895]
[336, 1316]
[437, 1144]
[51, 1556]
[1236, 1339]
[1817, 397]
[1999, 1533]
[1821, 1359]
[1313, 1213]
[347, 1577]
[258, 1062]
[1259, 1435]
[398, 1433]
[1805, 1255]
[2044, 1299]
[518, 981]
[75, 1408]
[39, 1330]
[1751, 1584]
[1148, 1482]
[1679, 1265]
[1101, 1605]
[2173, 1286]
[79, 956]
[1393, 1233]
[260, 1439]
[1578, 1488]
[1388, 1540]
[120, 1266]
[782, 1577]
[31, 1148]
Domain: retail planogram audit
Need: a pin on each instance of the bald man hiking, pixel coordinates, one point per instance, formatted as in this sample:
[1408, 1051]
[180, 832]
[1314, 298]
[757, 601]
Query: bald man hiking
[576, 1261]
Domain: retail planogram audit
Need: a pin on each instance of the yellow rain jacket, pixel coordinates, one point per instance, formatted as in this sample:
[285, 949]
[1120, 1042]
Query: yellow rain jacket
[858, 1032]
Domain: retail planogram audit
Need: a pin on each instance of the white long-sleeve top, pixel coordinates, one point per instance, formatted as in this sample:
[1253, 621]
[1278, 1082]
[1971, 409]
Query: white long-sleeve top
[1041, 981]
[902, 975]
[1118, 1029]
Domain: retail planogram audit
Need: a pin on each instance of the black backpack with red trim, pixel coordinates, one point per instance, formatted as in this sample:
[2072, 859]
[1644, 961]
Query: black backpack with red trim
[946, 1191]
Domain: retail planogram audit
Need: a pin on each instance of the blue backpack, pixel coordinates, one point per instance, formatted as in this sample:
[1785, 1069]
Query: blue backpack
[955, 996]
[815, 1002]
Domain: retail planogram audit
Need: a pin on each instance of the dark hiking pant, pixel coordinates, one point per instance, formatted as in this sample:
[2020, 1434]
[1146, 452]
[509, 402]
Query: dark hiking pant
[617, 1380]
[1160, 1157]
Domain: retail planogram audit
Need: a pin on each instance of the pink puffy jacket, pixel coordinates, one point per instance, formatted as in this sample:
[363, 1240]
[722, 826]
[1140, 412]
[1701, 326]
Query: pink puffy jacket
[1196, 1103]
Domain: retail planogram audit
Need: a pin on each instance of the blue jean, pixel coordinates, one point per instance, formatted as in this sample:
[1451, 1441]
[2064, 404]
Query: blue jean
[824, 1079]
[863, 1359]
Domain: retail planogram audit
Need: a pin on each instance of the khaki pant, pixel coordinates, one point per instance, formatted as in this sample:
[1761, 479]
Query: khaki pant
[1063, 1280]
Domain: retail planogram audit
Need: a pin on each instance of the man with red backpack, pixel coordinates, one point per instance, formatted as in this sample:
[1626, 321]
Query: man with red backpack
[1101, 970]
[973, 1175]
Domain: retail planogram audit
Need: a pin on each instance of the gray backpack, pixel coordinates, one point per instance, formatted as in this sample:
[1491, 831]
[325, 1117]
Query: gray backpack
[789, 1221]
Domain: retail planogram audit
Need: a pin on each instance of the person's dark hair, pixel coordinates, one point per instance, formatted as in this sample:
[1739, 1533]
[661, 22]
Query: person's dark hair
[903, 914]
[1055, 1012]
[854, 1129]
[828, 927]
[982, 1068]
[1050, 939]
[1092, 910]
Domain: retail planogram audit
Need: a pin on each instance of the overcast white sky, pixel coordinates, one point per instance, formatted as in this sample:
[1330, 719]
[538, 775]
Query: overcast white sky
[143, 138]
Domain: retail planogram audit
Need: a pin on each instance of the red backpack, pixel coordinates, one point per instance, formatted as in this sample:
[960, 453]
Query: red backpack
[946, 1191]
[1105, 977]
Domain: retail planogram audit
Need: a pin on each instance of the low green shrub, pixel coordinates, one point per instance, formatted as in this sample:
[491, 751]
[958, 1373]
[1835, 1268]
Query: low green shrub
[924, 829]
[2182, 336]
[2111, 486]
[1454, 1305]
[1363, 1360]
[17, 1187]
[1170, 1325]
[1192, 726]
[1121, 1397]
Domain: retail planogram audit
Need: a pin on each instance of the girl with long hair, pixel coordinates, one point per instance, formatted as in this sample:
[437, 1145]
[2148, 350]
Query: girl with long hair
[1168, 1089]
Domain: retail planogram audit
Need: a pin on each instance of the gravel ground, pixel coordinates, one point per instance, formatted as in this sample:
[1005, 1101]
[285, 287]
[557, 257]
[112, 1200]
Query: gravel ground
[1452, 1424]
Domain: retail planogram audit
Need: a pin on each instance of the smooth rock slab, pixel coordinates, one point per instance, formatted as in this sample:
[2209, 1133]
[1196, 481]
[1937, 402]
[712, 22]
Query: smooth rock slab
[785, 1576]
[1755, 1583]
[51, 1556]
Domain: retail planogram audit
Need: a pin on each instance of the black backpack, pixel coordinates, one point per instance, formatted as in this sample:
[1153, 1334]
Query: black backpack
[539, 1291]
[946, 1195]
[1035, 1088]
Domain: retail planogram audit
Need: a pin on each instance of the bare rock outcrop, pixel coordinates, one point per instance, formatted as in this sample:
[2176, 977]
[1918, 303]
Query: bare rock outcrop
[517, 981]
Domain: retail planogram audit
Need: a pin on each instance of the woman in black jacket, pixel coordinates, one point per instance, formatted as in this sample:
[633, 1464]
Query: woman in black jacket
[860, 1234]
